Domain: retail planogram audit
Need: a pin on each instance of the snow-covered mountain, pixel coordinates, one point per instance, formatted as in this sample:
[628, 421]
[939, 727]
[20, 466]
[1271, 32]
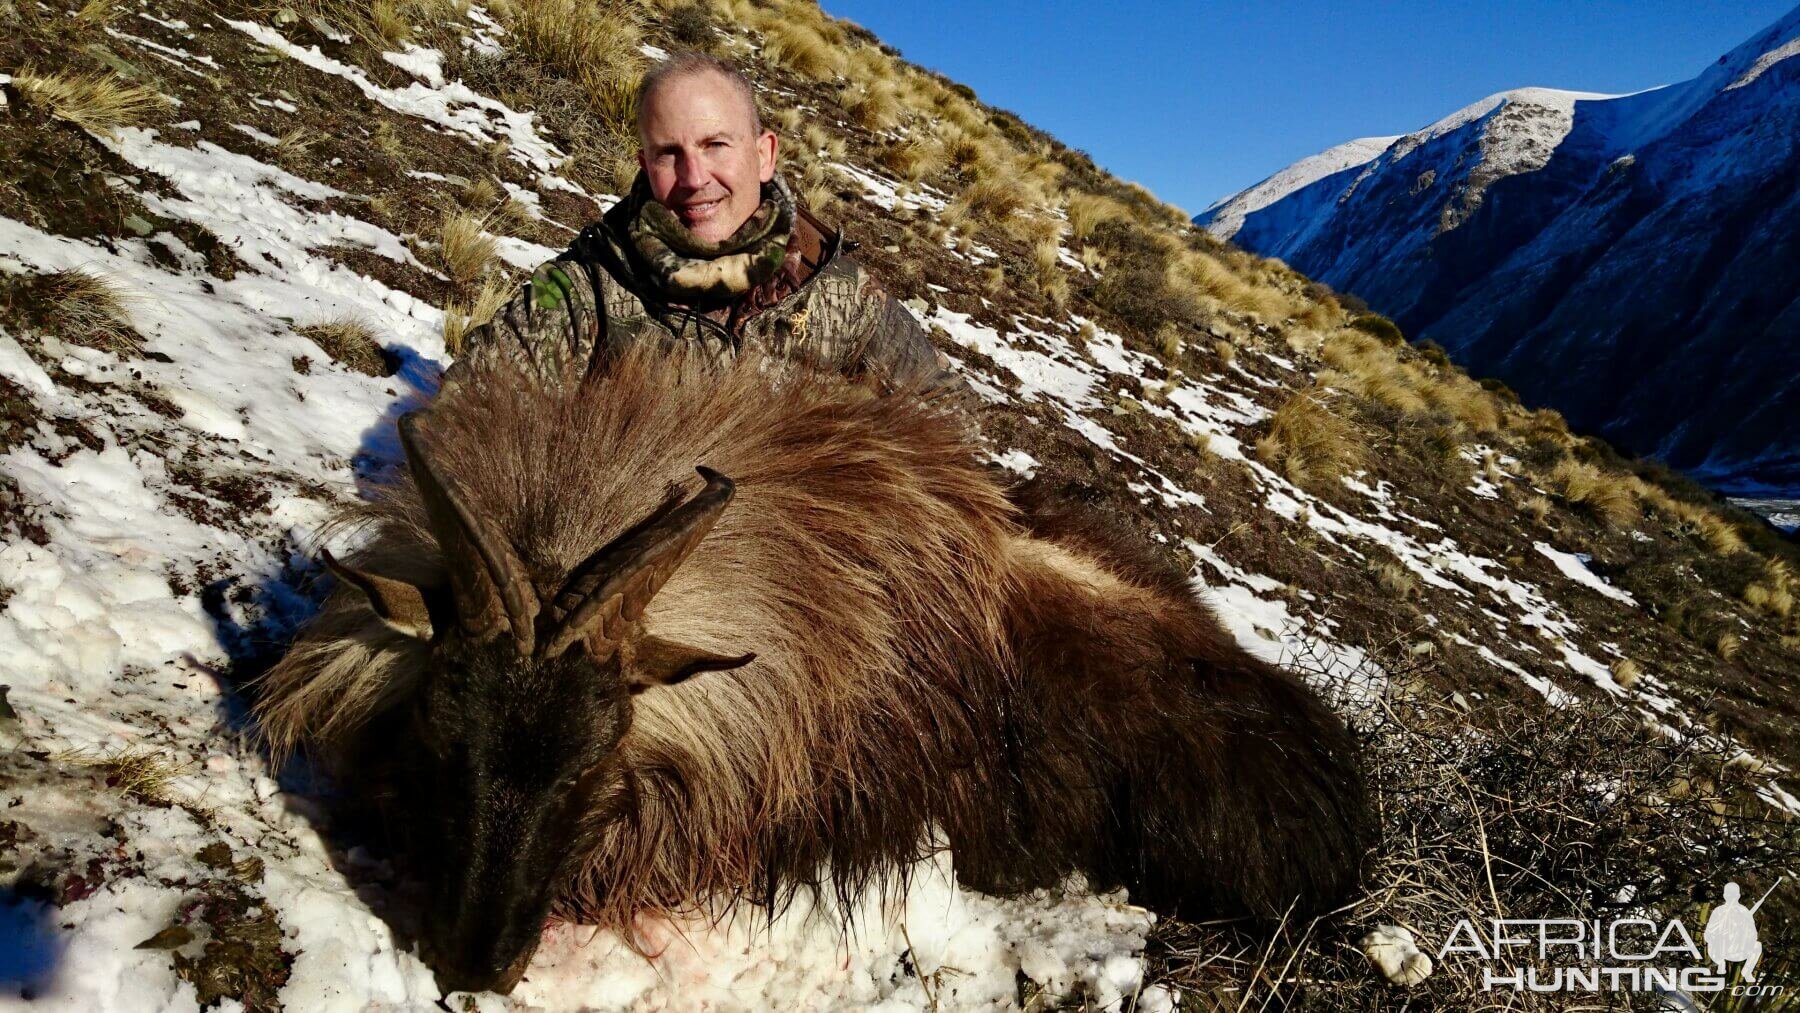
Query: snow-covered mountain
[1627, 259]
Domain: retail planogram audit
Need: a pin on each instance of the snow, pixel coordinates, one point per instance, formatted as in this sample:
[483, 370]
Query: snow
[1573, 568]
[1226, 215]
[108, 646]
[452, 105]
[1769, 59]
[108, 641]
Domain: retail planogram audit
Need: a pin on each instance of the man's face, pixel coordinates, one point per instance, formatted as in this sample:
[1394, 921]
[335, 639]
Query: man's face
[703, 157]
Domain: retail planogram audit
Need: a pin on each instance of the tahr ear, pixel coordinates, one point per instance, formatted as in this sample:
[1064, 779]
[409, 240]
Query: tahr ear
[398, 604]
[660, 662]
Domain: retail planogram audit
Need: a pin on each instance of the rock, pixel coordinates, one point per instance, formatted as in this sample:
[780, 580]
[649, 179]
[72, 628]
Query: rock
[1396, 955]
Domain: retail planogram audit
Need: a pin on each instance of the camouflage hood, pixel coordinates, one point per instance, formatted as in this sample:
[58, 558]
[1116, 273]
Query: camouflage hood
[660, 256]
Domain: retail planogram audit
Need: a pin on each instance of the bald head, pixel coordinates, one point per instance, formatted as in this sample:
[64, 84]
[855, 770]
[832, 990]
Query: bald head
[686, 65]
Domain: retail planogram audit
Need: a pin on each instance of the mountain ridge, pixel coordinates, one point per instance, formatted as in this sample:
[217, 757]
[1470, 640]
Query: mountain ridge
[1594, 202]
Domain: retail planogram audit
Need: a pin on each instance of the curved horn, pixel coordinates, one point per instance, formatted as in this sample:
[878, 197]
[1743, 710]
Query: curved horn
[612, 588]
[489, 582]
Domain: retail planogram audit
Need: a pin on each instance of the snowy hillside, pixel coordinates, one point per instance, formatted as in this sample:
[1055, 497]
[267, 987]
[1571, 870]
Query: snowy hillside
[1611, 256]
[237, 242]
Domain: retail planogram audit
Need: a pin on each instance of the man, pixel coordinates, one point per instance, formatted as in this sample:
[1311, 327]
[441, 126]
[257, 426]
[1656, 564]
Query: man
[709, 249]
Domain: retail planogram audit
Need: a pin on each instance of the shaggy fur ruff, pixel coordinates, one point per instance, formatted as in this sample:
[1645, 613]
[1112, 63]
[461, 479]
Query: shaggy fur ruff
[930, 652]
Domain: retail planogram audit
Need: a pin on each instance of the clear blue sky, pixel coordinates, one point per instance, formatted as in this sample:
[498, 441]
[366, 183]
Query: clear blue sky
[1199, 100]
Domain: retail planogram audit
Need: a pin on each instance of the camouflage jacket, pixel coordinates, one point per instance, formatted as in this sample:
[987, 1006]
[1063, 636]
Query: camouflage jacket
[580, 309]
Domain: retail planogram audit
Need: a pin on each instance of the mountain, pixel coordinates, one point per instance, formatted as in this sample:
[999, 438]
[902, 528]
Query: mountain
[238, 240]
[1631, 260]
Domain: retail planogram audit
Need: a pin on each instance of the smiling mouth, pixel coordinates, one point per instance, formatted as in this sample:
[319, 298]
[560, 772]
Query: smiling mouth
[700, 211]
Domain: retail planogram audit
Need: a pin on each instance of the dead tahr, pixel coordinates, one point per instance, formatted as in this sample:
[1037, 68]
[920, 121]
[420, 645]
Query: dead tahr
[579, 688]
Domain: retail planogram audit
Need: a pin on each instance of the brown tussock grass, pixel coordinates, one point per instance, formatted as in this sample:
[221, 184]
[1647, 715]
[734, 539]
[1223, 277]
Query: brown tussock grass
[1088, 212]
[874, 106]
[460, 317]
[801, 48]
[593, 45]
[1311, 442]
[87, 308]
[1608, 498]
[139, 774]
[1538, 507]
[98, 103]
[1395, 578]
[350, 342]
[989, 201]
[914, 159]
[1168, 343]
[97, 14]
[1626, 672]
[464, 250]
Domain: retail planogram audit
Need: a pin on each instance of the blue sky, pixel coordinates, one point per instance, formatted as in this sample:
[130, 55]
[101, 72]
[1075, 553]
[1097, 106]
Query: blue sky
[1198, 100]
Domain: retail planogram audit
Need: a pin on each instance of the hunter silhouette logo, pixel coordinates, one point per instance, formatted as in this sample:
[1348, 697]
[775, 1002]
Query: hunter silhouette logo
[1731, 932]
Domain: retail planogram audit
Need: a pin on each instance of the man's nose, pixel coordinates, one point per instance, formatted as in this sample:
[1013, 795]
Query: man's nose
[690, 173]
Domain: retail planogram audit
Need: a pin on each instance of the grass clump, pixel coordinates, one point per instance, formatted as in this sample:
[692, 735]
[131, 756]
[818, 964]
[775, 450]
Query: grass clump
[1088, 212]
[98, 103]
[989, 201]
[1311, 442]
[799, 47]
[350, 342]
[914, 159]
[462, 317]
[80, 306]
[1603, 495]
[464, 250]
[593, 45]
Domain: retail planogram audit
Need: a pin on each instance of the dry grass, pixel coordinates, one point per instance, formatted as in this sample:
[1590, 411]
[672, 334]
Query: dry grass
[1727, 645]
[594, 45]
[801, 48]
[1204, 277]
[1168, 343]
[1606, 496]
[914, 159]
[296, 143]
[823, 143]
[350, 342]
[1719, 534]
[142, 775]
[98, 103]
[1626, 672]
[1394, 578]
[462, 317]
[388, 22]
[84, 307]
[97, 14]
[990, 201]
[1310, 441]
[874, 106]
[387, 140]
[1089, 211]
[464, 250]
[1538, 507]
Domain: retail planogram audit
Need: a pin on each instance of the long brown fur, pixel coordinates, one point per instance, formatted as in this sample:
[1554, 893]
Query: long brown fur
[928, 654]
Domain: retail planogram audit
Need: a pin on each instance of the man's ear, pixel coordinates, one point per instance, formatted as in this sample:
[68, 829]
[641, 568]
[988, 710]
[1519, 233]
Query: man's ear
[662, 662]
[399, 605]
[767, 146]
